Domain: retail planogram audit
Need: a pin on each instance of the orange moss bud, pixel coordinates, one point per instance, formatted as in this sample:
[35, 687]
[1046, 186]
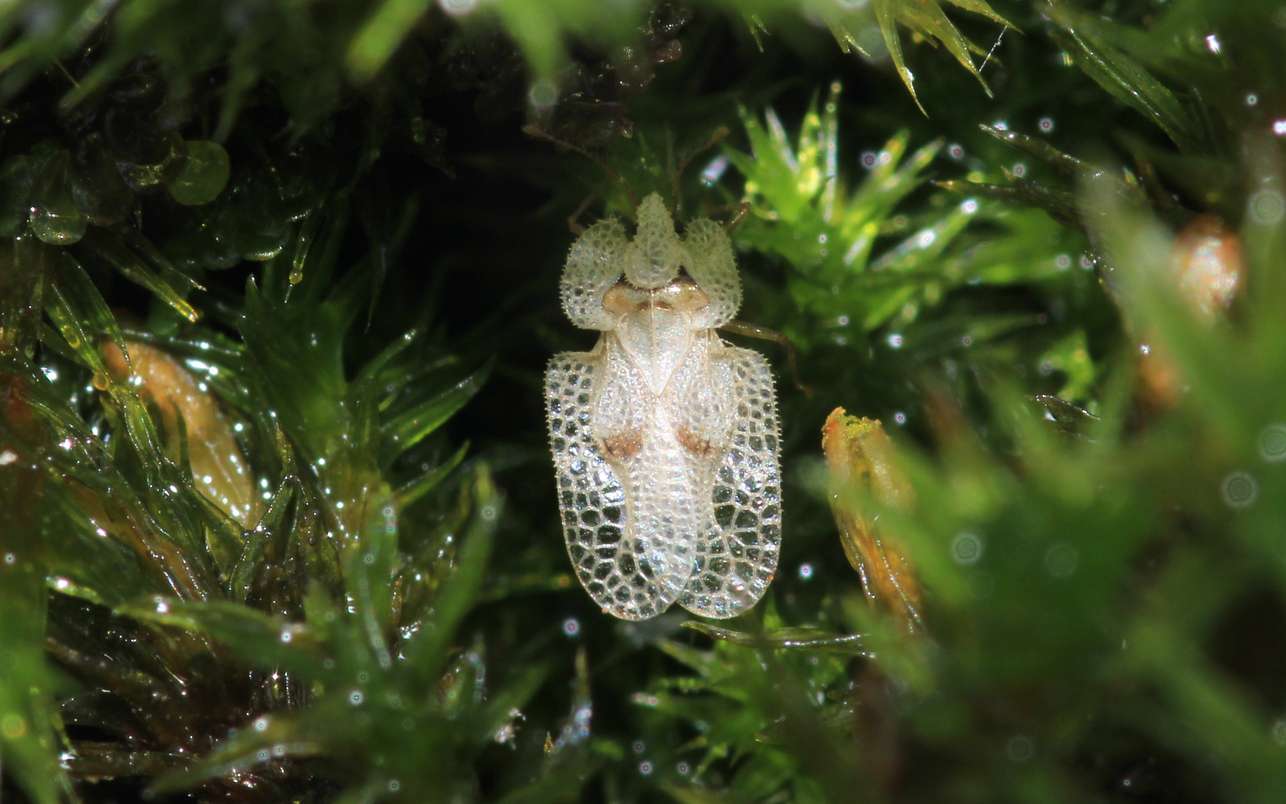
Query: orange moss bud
[1209, 273]
[218, 467]
[859, 454]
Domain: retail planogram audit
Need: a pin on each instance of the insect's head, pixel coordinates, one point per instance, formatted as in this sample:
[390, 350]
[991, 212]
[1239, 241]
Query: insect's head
[610, 274]
[657, 254]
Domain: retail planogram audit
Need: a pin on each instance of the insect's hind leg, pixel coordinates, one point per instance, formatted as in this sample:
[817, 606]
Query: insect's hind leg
[767, 334]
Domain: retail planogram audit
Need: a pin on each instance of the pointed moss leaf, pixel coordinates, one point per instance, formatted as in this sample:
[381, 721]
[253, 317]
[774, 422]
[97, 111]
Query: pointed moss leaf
[371, 570]
[255, 542]
[113, 249]
[375, 42]
[296, 361]
[291, 735]
[80, 313]
[422, 484]
[202, 174]
[801, 638]
[1065, 163]
[1124, 78]
[426, 651]
[886, 17]
[409, 427]
[28, 738]
[513, 696]
[259, 639]
[982, 8]
[929, 18]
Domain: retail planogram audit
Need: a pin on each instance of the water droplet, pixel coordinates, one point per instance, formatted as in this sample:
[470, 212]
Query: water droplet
[543, 93]
[805, 571]
[1279, 731]
[1061, 560]
[1239, 489]
[571, 627]
[1267, 207]
[202, 174]
[54, 217]
[966, 548]
[1020, 748]
[1046, 124]
[1272, 443]
[714, 171]
[458, 8]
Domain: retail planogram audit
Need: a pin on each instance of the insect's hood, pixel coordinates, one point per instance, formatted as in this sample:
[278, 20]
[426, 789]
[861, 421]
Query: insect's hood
[656, 254]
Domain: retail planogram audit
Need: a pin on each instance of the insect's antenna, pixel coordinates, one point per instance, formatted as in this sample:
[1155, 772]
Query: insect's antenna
[676, 173]
[536, 132]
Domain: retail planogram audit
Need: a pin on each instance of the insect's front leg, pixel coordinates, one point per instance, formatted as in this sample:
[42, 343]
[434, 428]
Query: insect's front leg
[768, 334]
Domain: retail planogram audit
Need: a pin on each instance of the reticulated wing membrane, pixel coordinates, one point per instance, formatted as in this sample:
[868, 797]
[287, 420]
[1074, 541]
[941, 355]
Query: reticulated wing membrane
[736, 551]
[631, 573]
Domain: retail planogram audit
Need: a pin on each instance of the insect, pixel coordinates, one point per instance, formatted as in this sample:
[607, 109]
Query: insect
[664, 437]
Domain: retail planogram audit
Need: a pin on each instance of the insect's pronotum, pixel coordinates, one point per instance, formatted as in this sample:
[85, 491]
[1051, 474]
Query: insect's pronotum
[664, 436]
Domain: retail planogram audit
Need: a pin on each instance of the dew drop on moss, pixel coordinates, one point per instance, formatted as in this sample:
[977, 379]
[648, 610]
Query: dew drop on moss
[202, 175]
[55, 219]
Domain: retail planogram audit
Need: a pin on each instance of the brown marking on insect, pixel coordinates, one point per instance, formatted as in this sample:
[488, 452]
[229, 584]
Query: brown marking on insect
[696, 444]
[623, 445]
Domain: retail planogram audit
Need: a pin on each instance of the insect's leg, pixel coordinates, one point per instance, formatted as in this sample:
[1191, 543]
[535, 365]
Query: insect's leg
[676, 171]
[573, 220]
[743, 209]
[767, 334]
[534, 131]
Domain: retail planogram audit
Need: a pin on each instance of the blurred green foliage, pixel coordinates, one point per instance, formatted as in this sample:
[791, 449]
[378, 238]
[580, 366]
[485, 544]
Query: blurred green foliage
[330, 253]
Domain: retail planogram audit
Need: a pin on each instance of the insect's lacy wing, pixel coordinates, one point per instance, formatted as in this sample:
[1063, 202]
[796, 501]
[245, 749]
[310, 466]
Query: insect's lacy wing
[593, 266]
[607, 552]
[736, 553]
[711, 265]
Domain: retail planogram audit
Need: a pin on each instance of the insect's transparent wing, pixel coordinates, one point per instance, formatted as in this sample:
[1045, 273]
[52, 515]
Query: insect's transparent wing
[736, 550]
[632, 563]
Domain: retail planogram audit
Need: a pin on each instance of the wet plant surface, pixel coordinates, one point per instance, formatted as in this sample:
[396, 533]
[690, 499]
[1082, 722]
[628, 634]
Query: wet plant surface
[279, 281]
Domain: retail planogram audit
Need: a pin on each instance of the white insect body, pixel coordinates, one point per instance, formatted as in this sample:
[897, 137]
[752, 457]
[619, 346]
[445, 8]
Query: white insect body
[664, 437]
